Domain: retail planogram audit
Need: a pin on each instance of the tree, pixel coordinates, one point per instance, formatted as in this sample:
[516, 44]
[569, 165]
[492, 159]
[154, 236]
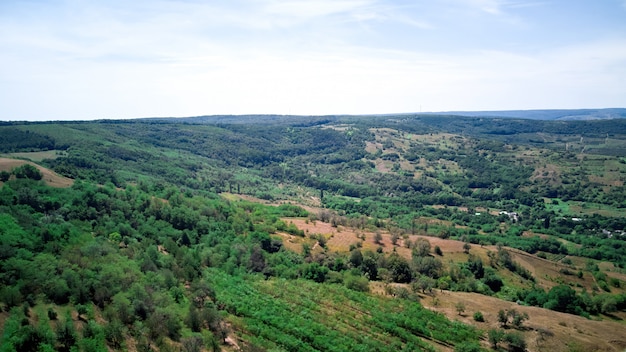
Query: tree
[421, 248]
[516, 341]
[399, 268]
[423, 283]
[503, 318]
[66, 333]
[492, 280]
[394, 238]
[369, 267]
[495, 336]
[460, 307]
[466, 247]
[192, 344]
[428, 266]
[193, 319]
[517, 319]
[114, 334]
[356, 258]
[256, 262]
[315, 272]
[4, 176]
[27, 171]
[378, 237]
[562, 298]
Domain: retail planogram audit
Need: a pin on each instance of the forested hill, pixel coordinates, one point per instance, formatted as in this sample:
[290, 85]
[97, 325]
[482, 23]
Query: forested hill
[311, 233]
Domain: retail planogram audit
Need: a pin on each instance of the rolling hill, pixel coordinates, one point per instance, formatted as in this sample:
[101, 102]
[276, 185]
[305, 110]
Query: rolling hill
[315, 233]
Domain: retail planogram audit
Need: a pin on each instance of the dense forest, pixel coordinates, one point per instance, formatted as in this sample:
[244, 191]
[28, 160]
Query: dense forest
[178, 235]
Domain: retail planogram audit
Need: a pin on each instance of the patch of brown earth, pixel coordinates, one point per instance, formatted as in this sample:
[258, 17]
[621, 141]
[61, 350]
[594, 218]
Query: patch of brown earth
[545, 330]
[50, 177]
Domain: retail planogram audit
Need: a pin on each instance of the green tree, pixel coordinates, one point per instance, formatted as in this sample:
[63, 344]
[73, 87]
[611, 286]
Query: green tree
[192, 344]
[503, 318]
[193, 319]
[495, 336]
[27, 171]
[66, 333]
[517, 318]
[421, 248]
[399, 268]
[516, 341]
[4, 176]
[114, 332]
[562, 298]
[460, 307]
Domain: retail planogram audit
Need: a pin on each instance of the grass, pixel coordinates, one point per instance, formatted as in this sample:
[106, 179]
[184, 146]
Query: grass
[594, 208]
[303, 315]
[576, 208]
[36, 156]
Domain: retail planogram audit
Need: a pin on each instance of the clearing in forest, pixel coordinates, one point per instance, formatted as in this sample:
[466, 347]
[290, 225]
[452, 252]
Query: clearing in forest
[50, 177]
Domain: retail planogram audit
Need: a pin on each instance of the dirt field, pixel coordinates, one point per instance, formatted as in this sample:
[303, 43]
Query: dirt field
[51, 178]
[569, 332]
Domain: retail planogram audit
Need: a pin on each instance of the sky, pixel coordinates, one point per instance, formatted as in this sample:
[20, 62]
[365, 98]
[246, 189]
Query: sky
[111, 59]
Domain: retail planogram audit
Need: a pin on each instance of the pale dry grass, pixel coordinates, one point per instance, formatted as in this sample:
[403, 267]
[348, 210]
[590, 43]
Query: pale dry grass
[50, 177]
[569, 331]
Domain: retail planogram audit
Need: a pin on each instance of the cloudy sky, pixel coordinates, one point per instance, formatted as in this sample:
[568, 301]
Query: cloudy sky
[90, 59]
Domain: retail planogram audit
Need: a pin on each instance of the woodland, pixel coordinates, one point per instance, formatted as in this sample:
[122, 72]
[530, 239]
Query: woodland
[333, 233]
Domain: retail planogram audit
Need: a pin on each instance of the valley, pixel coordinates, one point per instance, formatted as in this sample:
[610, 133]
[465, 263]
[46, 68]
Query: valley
[314, 233]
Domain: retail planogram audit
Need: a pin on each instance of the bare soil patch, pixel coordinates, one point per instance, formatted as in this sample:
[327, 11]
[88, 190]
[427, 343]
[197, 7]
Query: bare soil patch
[550, 173]
[341, 237]
[50, 177]
[371, 147]
[568, 331]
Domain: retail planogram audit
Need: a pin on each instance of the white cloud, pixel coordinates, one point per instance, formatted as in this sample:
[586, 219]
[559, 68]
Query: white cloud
[172, 58]
[312, 8]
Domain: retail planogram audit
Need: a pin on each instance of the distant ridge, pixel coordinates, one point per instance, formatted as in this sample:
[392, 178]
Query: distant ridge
[548, 114]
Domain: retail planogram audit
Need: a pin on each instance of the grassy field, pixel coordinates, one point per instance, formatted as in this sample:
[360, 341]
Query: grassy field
[36, 156]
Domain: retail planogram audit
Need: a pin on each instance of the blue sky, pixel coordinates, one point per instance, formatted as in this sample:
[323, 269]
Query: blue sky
[81, 59]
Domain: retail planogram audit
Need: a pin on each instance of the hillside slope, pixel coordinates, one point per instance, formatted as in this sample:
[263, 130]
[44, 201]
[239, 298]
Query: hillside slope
[50, 177]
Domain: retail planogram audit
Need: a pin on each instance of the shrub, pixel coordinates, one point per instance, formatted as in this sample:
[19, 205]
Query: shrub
[516, 341]
[478, 316]
[357, 283]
